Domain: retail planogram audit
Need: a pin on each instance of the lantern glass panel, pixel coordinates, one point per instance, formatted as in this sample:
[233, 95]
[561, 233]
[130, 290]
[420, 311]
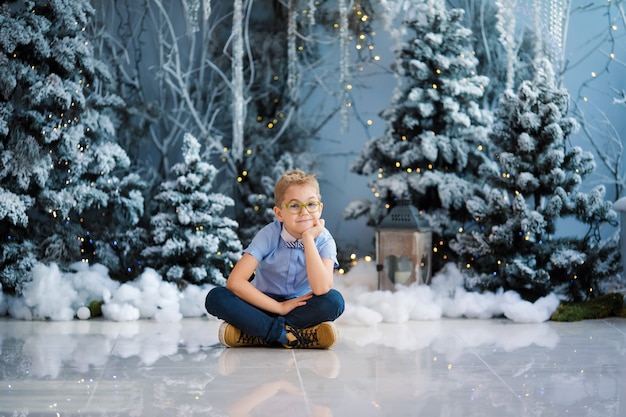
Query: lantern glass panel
[398, 268]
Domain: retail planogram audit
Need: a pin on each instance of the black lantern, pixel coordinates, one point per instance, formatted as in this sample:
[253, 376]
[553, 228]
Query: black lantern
[403, 248]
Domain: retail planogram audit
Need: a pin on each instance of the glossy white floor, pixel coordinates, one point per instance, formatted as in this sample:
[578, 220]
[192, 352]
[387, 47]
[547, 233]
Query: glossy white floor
[441, 368]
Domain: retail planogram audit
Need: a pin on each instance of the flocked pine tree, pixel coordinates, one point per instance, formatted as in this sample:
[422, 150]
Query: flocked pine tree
[193, 241]
[60, 177]
[512, 242]
[437, 133]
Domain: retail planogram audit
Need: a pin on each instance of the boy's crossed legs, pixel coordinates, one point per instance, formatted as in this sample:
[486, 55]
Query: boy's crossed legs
[308, 326]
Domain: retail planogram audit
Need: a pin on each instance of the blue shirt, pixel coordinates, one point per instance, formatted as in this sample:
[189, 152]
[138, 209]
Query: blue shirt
[281, 270]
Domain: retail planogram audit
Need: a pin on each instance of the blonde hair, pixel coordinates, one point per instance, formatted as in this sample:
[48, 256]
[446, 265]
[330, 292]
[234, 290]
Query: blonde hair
[294, 177]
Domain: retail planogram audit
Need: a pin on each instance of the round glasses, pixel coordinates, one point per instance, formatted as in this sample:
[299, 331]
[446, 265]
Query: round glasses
[296, 208]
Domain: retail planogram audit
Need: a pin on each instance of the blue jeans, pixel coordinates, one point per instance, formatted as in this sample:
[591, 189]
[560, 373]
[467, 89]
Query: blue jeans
[224, 304]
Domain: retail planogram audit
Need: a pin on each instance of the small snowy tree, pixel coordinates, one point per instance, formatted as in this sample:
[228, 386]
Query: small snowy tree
[511, 242]
[437, 134]
[192, 240]
[61, 170]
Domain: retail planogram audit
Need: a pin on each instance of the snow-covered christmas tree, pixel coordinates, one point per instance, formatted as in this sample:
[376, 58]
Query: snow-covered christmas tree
[511, 242]
[437, 134]
[193, 241]
[62, 175]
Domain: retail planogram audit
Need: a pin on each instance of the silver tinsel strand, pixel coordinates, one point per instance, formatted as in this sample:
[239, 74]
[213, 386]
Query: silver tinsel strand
[344, 72]
[506, 27]
[237, 82]
[292, 59]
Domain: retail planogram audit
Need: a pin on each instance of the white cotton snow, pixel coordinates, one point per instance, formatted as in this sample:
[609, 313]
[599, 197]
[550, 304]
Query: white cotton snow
[523, 311]
[91, 283]
[4, 302]
[445, 297]
[192, 300]
[148, 297]
[56, 295]
[49, 295]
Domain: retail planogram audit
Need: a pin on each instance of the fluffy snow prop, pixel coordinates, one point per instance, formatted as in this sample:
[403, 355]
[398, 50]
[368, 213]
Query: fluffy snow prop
[445, 297]
[54, 295]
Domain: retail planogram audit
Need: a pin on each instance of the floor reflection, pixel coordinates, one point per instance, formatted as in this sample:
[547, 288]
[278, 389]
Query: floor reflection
[438, 368]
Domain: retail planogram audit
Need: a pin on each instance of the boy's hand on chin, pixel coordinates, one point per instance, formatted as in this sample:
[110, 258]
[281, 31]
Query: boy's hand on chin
[316, 229]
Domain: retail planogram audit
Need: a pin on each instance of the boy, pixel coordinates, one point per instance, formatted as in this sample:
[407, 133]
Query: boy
[290, 300]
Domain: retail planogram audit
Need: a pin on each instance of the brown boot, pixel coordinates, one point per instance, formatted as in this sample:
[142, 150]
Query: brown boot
[321, 336]
[231, 336]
